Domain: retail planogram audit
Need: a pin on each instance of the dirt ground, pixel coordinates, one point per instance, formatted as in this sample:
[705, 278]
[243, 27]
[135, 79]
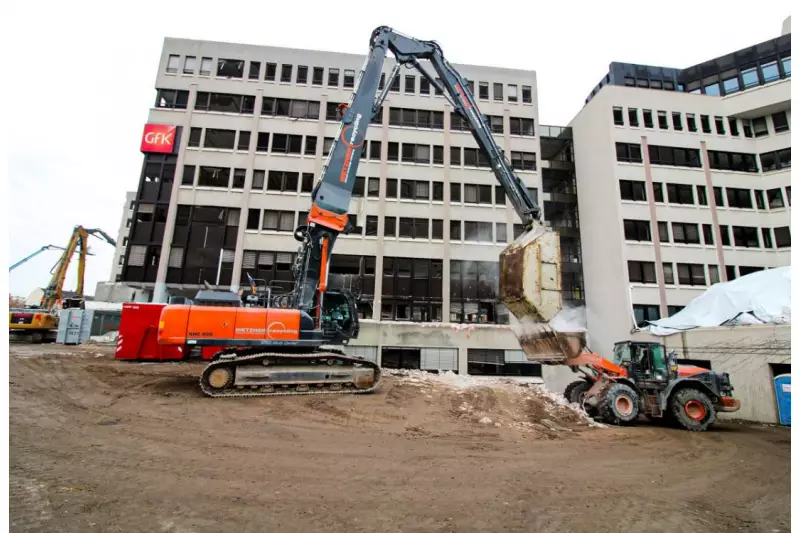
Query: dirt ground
[108, 446]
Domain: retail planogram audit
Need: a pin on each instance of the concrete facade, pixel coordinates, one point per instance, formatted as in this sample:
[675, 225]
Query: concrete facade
[122, 237]
[752, 355]
[648, 252]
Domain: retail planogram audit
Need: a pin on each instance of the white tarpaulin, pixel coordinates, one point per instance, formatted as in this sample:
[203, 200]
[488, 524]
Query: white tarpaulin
[762, 297]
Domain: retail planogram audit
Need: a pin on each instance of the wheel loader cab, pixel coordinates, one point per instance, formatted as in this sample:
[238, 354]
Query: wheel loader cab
[644, 361]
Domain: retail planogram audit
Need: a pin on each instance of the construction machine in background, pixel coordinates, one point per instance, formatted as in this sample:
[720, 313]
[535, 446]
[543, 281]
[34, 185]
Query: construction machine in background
[294, 348]
[39, 323]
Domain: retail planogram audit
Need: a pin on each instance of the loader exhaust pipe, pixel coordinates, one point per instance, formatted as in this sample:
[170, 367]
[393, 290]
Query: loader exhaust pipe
[530, 287]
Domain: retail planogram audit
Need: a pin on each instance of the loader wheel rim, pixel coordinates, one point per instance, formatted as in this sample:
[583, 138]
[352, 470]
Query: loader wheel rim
[623, 405]
[219, 378]
[695, 410]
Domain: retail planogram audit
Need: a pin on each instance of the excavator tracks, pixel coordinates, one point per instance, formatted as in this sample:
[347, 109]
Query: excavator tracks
[254, 372]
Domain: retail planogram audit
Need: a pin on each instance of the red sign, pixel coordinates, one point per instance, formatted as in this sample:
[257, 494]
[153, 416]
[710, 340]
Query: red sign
[159, 138]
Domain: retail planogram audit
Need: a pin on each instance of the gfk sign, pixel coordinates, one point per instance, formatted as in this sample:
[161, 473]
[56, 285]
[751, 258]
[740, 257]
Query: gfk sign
[159, 138]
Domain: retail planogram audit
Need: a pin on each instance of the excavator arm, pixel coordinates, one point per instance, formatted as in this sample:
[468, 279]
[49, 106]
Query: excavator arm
[530, 279]
[78, 241]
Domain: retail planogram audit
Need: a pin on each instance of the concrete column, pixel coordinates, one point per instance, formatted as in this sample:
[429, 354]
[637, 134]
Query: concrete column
[248, 183]
[160, 288]
[462, 360]
[446, 219]
[380, 248]
[712, 203]
[651, 204]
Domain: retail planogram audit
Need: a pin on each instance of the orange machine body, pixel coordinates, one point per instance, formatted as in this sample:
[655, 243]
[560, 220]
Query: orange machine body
[609, 368]
[191, 324]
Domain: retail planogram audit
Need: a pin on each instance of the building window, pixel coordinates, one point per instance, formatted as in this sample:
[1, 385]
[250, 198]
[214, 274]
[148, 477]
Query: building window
[411, 84]
[739, 198]
[702, 197]
[766, 236]
[672, 156]
[219, 139]
[188, 175]
[270, 71]
[732, 161]
[278, 220]
[244, 141]
[713, 274]
[413, 228]
[255, 70]
[483, 90]
[527, 93]
[776, 160]
[669, 274]
[171, 99]
[746, 237]
[642, 272]
[780, 122]
[662, 120]
[633, 117]
[705, 123]
[317, 76]
[194, 137]
[719, 124]
[282, 181]
[637, 230]
[258, 180]
[708, 235]
[629, 153]
[205, 66]
[645, 313]
[734, 127]
[725, 235]
[333, 77]
[416, 118]
[349, 78]
[690, 122]
[512, 93]
[214, 177]
[680, 194]
[685, 233]
[302, 74]
[172, 63]
[262, 142]
[230, 68]
[498, 92]
[663, 232]
[760, 128]
[775, 199]
[239, 175]
[287, 144]
[677, 123]
[618, 119]
[783, 237]
[189, 64]
[632, 190]
[519, 160]
[253, 219]
[648, 118]
[691, 274]
[520, 126]
[225, 103]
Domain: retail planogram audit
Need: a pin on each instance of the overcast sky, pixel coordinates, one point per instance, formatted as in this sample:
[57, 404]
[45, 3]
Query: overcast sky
[81, 80]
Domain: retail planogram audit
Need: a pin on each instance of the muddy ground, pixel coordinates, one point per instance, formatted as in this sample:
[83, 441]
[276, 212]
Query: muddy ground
[102, 445]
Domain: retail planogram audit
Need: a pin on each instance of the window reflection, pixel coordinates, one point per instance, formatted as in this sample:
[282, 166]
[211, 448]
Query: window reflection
[713, 89]
[730, 85]
[750, 77]
[770, 71]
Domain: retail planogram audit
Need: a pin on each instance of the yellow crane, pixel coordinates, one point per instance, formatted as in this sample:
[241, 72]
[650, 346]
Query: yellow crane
[39, 323]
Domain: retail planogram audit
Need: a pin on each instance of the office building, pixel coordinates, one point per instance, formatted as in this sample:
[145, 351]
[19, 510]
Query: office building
[684, 180]
[122, 237]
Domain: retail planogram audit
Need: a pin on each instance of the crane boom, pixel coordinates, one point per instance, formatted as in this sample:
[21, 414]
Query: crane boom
[34, 254]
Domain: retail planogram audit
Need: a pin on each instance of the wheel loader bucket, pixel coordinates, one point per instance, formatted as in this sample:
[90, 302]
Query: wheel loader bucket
[530, 287]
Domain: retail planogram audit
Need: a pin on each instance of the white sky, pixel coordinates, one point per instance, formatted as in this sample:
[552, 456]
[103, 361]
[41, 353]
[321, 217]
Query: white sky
[81, 80]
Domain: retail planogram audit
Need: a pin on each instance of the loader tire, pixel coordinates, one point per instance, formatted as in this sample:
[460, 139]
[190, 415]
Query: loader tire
[619, 405]
[575, 391]
[692, 410]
